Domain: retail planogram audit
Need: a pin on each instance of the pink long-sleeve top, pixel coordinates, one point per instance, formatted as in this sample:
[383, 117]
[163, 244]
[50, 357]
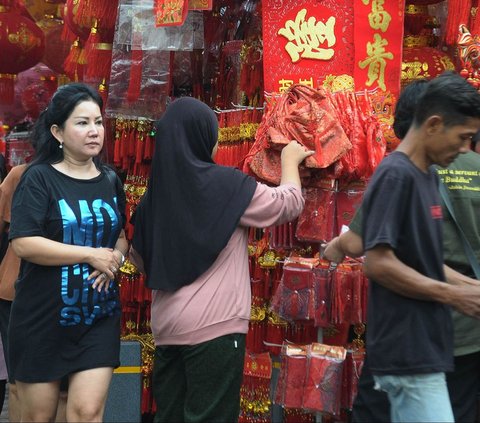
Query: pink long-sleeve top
[218, 302]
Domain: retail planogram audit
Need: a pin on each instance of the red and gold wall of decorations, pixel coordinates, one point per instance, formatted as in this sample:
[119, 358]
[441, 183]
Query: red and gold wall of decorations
[256, 63]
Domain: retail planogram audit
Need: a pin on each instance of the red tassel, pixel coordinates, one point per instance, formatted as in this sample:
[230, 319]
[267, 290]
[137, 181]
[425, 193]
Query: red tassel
[7, 88]
[75, 61]
[98, 55]
[102, 90]
[67, 34]
[104, 11]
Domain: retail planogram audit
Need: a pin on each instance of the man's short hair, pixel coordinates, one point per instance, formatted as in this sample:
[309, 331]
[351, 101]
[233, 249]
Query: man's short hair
[449, 96]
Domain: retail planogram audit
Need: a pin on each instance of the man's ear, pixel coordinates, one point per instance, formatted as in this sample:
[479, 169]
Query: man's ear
[433, 124]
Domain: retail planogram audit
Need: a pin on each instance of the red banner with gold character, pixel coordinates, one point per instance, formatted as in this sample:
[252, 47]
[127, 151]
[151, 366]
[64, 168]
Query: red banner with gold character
[378, 44]
[314, 43]
[304, 41]
[170, 12]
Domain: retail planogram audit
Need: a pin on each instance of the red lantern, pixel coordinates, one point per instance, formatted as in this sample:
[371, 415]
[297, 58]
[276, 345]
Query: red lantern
[38, 9]
[22, 44]
[80, 30]
[423, 62]
[58, 49]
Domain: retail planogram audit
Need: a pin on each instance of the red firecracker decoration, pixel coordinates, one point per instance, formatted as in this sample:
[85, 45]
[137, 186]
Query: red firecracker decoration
[22, 44]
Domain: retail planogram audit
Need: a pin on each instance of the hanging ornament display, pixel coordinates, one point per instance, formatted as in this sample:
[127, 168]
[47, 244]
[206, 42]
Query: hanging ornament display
[22, 44]
[73, 27]
[468, 48]
[459, 12]
[170, 12]
[58, 49]
[39, 9]
[423, 62]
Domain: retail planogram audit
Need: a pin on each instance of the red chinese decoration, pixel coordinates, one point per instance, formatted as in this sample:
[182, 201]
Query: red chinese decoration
[200, 4]
[58, 49]
[170, 12]
[39, 9]
[306, 42]
[22, 44]
[423, 62]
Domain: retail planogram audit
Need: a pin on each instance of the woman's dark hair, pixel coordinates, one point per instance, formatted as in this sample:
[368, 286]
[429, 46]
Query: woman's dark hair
[61, 106]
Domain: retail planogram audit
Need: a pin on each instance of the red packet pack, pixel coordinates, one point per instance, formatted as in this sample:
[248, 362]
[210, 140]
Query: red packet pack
[289, 390]
[323, 382]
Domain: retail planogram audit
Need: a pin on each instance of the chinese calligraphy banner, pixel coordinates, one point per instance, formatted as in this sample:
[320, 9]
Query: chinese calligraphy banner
[378, 44]
[308, 42]
[304, 41]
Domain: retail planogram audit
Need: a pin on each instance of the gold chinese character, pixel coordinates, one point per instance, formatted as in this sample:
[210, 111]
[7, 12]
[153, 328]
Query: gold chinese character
[376, 61]
[284, 85]
[306, 36]
[307, 82]
[379, 18]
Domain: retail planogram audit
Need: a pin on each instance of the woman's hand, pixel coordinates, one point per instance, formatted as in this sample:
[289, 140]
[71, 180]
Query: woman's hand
[106, 263]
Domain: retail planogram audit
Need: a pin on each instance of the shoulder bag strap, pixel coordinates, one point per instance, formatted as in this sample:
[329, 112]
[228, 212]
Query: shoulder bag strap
[466, 245]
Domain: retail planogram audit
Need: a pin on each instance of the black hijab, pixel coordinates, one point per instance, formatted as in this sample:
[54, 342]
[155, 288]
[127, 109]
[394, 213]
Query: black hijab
[192, 205]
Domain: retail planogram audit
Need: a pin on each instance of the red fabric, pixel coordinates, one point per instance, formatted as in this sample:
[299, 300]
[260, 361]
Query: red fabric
[303, 114]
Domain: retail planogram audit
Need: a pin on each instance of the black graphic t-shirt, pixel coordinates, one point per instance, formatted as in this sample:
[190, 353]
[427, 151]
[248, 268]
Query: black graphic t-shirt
[58, 320]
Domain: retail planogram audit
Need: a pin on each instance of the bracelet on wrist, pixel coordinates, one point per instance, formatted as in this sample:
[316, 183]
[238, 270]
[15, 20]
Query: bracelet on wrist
[123, 257]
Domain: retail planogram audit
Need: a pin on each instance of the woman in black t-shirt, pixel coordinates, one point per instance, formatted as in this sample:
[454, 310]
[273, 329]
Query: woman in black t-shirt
[67, 227]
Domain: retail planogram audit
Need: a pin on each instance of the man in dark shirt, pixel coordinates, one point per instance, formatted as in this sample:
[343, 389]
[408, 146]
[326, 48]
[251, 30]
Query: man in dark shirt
[410, 337]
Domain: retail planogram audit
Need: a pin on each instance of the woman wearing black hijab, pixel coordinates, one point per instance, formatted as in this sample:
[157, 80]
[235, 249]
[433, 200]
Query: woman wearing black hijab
[190, 240]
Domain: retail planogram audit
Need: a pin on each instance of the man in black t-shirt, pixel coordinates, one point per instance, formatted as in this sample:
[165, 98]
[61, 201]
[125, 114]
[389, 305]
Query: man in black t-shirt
[410, 337]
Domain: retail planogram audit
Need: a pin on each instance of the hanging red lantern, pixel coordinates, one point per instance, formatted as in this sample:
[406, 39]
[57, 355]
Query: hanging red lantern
[423, 62]
[38, 9]
[22, 44]
[76, 29]
[58, 49]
